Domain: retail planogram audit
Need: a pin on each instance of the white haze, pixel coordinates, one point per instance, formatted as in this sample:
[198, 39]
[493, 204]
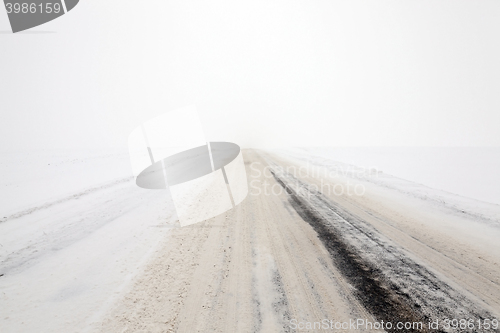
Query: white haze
[261, 73]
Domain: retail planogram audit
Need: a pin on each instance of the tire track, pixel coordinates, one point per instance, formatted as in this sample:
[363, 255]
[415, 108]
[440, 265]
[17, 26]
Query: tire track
[67, 198]
[389, 284]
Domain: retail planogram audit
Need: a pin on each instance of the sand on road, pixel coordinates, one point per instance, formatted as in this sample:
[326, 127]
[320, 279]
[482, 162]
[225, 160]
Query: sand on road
[279, 259]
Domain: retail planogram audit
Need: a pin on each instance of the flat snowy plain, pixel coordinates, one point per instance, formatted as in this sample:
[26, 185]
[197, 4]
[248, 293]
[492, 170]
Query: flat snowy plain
[74, 229]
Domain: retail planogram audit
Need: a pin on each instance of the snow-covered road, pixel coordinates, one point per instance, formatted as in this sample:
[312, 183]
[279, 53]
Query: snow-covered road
[103, 255]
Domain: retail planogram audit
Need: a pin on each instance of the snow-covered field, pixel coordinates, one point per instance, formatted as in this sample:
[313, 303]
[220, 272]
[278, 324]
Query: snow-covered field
[35, 178]
[74, 230]
[472, 172]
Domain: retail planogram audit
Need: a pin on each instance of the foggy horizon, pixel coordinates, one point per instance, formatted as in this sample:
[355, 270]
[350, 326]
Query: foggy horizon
[261, 74]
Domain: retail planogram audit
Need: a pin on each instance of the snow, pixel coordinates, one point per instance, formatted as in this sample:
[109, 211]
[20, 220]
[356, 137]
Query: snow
[471, 172]
[76, 230]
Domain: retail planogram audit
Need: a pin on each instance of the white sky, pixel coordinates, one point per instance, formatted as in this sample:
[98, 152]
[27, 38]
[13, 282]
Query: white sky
[261, 73]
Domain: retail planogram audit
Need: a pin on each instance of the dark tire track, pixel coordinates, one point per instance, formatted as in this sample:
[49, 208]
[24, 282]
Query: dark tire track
[390, 285]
